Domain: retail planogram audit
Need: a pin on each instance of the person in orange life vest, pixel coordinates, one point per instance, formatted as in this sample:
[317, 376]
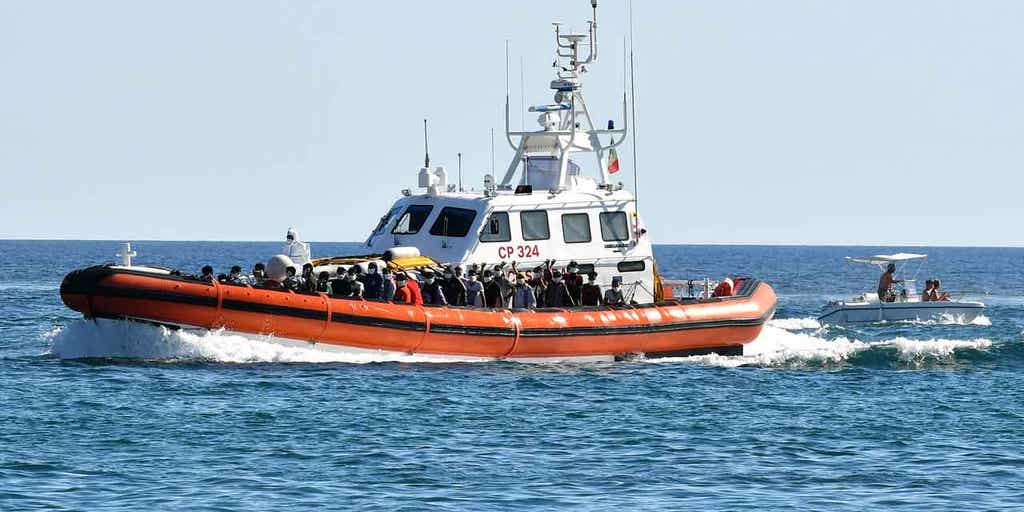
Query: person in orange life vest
[414, 289]
[403, 295]
[724, 289]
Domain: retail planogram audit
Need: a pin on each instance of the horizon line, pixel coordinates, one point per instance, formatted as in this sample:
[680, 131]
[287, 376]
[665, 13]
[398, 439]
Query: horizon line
[1011, 245]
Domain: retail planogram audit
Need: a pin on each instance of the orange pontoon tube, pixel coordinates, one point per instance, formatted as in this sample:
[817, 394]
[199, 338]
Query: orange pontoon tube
[669, 328]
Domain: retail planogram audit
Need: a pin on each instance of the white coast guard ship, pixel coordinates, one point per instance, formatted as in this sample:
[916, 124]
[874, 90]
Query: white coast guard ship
[546, 206]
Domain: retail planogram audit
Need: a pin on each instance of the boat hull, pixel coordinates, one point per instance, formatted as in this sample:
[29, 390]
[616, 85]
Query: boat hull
[843, 313]
[665, 329]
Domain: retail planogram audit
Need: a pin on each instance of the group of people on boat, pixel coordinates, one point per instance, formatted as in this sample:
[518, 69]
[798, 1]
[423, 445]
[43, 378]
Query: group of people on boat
[887, 288]
[495, 286]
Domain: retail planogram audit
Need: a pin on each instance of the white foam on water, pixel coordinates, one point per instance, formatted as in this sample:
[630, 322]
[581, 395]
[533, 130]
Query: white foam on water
[795, 324]
[778, 347]
[949, 319]
[912, 350]
[133, 340]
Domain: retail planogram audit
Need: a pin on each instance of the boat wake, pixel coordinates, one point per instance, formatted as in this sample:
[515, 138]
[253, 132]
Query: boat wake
[107, 339]
[784, 343]
[797, 343]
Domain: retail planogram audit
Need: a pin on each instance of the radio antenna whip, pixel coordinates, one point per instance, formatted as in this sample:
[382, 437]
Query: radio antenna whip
[426, 149]
[632, 95]
[460, 172]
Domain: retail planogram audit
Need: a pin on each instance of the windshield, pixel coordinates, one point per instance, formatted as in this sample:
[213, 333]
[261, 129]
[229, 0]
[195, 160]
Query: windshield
[383, 223]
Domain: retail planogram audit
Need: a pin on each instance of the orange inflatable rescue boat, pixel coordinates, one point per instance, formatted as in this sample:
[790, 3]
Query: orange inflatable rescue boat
[666, 328]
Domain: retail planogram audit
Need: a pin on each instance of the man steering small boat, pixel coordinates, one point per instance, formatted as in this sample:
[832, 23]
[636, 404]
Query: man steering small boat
[886, 288]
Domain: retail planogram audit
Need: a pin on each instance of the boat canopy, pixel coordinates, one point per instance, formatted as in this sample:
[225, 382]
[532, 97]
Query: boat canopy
[880, 259]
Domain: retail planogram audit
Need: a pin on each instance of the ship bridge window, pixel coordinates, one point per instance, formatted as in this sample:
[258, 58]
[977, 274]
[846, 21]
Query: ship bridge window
[496, 229]
[576, 228]
[542, 172]
[413, 219]
[614, 226]
[385, 219]
[453, 222]
[535, 225]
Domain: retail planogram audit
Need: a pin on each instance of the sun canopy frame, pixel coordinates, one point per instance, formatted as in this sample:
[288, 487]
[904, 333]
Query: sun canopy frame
[882, 259]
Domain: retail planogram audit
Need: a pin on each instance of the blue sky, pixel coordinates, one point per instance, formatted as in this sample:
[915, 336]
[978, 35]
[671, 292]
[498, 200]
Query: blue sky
[759, 122]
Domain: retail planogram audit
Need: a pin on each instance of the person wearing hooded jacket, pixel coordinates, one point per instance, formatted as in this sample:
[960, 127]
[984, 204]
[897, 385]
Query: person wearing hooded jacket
[296, 249]
[373, 282]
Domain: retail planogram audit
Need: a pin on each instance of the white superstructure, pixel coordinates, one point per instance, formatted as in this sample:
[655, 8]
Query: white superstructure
[556, 200]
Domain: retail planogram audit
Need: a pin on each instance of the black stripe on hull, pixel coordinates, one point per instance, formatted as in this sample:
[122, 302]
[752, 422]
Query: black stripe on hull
[749, 287]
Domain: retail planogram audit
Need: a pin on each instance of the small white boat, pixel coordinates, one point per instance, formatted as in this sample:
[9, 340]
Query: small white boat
[908, 304]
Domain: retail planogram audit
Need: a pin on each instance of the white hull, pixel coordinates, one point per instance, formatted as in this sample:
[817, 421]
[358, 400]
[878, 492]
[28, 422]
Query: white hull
[847, 313]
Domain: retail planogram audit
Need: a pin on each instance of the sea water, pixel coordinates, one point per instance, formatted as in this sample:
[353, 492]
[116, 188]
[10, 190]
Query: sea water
[916, 415]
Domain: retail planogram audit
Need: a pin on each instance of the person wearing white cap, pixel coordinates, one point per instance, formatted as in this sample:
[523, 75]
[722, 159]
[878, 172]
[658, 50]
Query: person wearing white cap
[296, 249]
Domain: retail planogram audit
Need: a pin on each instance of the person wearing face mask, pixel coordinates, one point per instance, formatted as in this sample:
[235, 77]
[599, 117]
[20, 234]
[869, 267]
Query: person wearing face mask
[308, 279]
[454, 289]
[591, 293]
[557, 295]
[492, 291]
[323, 281]
[522, 294]
[539, 284]
[403, 294]
[388, 287]
[574, 282]
[340, 285]
[356, 288]
[474, 290]
[432, 292]
[613, 296]
[373, 282]
[292, 281]
[259, 274]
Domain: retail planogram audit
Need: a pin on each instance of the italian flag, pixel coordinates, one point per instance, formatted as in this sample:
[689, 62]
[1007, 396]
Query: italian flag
[613, 161]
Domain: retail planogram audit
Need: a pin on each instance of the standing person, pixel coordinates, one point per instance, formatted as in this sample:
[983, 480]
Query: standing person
[454, 289]
[373, 282]
[308, 279]
[574, 282]
[291, 281]
[259, 275]
[886, 283]
[474, 290]
[614, 296]
[207, 274]
[432, 291]
[296, 249]
[591, 294]
[522, 293]
[557, 295]
[387, 288]
[403, 295]
[492, 291]
[539, 284]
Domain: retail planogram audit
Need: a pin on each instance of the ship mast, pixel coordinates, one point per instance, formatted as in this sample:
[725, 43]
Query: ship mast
[566, 124]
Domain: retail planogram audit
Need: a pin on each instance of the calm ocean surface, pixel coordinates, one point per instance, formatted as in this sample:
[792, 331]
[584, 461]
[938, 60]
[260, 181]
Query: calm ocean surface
[894, 417]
